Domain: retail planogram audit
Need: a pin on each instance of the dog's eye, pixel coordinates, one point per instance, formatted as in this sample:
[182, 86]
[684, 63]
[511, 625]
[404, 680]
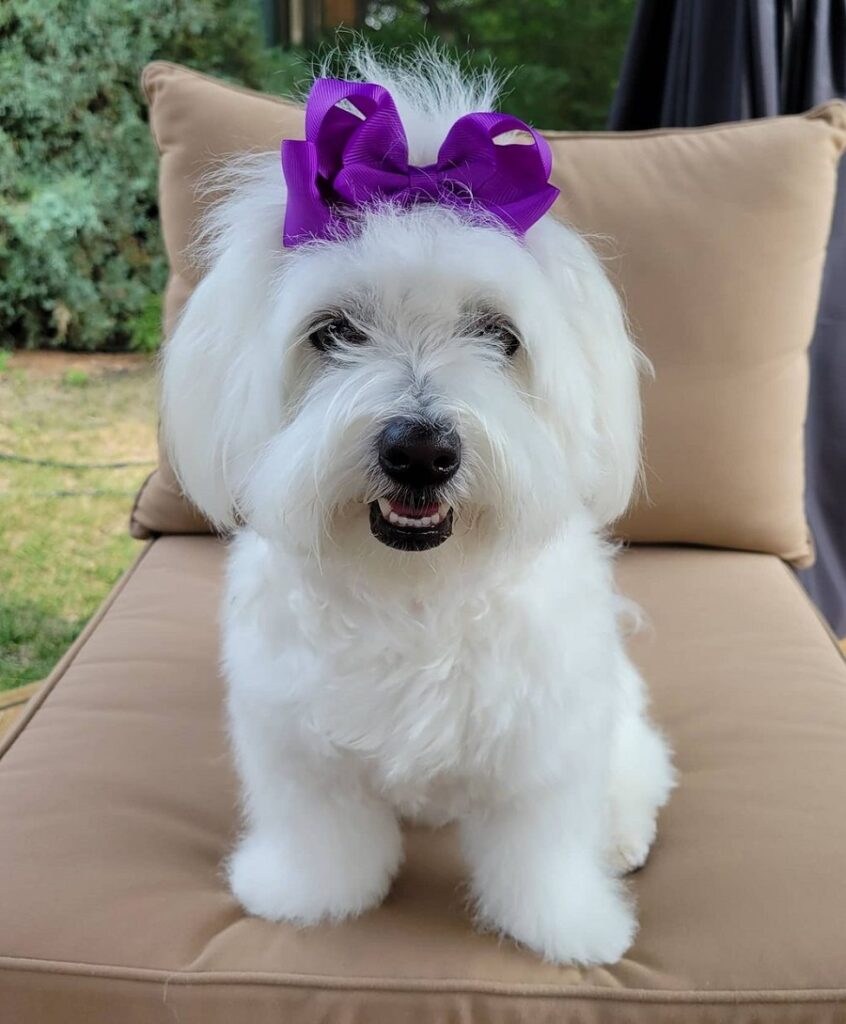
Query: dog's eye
[499, 329]
[339, 330]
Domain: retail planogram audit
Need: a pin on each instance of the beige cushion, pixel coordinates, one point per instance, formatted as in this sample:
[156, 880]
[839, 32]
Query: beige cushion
[716, 238]
[118, 804]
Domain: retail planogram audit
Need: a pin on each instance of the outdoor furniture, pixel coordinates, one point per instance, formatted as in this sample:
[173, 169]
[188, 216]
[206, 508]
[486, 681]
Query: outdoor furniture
[118, 801]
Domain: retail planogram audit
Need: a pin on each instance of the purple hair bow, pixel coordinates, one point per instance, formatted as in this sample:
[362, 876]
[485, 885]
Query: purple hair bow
[356, 153]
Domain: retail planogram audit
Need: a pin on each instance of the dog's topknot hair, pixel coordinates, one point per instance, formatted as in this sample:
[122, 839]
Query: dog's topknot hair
[431, 88]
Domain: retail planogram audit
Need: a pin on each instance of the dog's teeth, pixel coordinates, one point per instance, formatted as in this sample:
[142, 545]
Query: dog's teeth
[415, 522]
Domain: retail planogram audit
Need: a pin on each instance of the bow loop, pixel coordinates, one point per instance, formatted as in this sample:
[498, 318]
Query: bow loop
[356, 153]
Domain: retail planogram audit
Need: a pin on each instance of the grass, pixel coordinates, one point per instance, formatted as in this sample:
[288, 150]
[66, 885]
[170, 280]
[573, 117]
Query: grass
[63, 531]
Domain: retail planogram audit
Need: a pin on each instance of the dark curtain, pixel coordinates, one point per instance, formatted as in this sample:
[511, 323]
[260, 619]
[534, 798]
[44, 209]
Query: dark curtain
[694, 62]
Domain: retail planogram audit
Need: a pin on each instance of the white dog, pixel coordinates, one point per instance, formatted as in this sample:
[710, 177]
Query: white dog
[420, 427]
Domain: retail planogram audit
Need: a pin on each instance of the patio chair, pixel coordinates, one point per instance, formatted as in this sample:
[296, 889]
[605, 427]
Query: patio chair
[118, 802]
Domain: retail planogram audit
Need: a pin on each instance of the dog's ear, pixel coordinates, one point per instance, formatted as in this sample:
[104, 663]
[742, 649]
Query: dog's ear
[602, 382]
[221, 391]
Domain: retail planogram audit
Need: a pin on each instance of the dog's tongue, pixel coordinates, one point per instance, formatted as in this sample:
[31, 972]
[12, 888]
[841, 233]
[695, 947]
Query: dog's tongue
[414, 511]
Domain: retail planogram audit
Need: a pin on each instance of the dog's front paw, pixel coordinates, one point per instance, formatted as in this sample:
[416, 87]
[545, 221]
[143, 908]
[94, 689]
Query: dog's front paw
[584, 921]
[273, 879]
[641, 780]
[630, 848]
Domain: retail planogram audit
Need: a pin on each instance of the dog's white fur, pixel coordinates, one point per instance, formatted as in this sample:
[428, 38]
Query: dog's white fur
[485, 680]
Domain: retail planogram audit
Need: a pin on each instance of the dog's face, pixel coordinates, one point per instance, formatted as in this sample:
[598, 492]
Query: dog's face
[426, 388]
[415, 445]
[406, 397]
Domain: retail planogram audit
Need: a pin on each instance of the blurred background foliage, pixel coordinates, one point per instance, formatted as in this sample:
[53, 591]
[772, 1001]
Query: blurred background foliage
[81, 261]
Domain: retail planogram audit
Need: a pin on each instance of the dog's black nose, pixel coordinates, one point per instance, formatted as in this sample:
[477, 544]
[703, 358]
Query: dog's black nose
[418, 454]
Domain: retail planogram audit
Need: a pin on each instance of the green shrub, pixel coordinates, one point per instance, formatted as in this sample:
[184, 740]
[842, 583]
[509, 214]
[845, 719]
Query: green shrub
[81, 261]
[80, 253]
[147, 327]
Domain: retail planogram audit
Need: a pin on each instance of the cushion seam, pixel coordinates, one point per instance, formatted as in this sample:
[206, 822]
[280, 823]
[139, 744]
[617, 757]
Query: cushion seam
[71, 653]
[146, 90]
[821, 618]
[459, 986]
[133, 518]
[219, 83]
[814, 114]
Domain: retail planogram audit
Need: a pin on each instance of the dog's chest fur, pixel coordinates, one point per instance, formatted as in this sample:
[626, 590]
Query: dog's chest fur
[423, 695]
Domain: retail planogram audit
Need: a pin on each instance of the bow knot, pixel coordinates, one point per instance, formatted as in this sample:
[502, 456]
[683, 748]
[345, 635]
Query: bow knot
[356, 153]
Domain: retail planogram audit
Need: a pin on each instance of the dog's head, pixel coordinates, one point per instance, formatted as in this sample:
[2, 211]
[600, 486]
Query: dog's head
[427, 383]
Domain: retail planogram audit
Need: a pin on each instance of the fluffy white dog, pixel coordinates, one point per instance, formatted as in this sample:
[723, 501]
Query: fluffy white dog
[421, 426]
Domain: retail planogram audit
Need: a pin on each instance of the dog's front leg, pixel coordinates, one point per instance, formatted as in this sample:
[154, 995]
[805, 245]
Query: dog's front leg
[538, 873]
[317, 845]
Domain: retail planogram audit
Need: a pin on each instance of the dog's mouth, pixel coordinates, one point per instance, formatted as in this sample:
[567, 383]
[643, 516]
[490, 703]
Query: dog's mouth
[409, 527]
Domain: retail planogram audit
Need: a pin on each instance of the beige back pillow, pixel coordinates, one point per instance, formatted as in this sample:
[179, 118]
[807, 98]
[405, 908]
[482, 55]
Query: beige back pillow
[715, 237]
